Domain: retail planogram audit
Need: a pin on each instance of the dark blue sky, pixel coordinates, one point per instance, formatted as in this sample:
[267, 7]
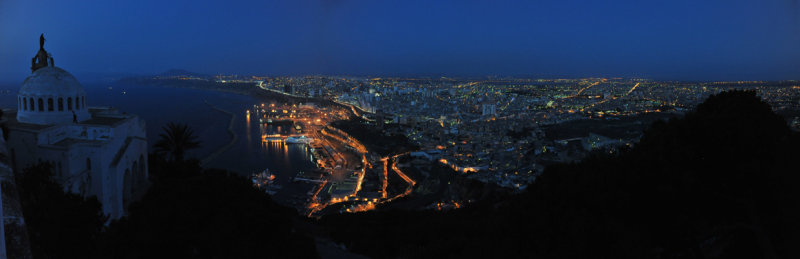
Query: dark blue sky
[676, 39]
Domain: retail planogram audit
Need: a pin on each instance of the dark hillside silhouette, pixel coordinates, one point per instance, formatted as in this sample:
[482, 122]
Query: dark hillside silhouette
[206, 214]
[722, 181]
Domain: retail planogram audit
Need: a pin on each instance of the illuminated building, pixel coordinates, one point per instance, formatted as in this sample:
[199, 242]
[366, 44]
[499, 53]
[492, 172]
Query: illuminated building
[94, 151]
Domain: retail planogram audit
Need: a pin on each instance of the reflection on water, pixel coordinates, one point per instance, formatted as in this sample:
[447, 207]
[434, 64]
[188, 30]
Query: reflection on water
[283, 159]
[283, 148]
[160, 105]
[251, 154]
[247, 126]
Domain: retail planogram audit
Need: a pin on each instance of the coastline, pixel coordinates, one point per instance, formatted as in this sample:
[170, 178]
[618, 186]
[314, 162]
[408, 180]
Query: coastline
[234, 136]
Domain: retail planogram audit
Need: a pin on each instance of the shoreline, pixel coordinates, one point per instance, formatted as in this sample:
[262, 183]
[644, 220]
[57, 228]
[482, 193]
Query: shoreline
[226, 147]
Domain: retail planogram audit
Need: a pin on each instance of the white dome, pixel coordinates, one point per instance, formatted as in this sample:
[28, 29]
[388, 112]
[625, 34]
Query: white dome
[51, 95]
[51, 81]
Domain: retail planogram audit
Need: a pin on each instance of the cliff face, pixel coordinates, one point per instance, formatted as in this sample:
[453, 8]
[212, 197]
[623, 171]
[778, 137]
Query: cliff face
[14, 242]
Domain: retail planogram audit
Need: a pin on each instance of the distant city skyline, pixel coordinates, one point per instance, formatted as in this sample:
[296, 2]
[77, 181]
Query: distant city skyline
[675, 40]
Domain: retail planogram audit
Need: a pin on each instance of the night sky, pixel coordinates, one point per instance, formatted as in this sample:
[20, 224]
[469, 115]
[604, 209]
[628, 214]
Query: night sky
[676, 39]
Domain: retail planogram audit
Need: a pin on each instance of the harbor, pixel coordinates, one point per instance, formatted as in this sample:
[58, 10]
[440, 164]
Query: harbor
[345, 176]
[318, 169]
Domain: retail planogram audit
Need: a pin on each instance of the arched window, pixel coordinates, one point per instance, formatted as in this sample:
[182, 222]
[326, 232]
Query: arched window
[60, 104]
[77, 103]
[41, 104]
[31, 107]
[88, 164]
[49, 104]
[24, 104]
[69, 103]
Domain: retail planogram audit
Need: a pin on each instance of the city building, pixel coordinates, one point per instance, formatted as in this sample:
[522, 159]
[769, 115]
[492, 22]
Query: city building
[488, 108]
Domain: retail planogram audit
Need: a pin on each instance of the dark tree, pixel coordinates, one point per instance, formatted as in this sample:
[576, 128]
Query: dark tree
[209, 214]
[60, 224]
[176, 140]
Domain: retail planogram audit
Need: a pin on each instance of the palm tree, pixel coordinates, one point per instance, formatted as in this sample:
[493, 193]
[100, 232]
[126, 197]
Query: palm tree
[176, 139]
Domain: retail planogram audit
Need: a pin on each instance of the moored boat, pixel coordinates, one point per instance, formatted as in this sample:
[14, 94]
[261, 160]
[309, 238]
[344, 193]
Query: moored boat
[302, 139]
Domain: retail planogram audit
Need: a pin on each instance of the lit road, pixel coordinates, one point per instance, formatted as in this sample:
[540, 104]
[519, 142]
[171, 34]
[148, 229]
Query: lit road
[583, 89]
[385, 184]
[405, 177]
[614, 98]
[632, 88]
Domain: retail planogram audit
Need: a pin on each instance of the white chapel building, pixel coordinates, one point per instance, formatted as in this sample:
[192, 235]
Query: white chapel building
[95, 151]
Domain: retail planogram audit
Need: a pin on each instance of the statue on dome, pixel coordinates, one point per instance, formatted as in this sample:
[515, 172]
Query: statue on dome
[42, 57]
